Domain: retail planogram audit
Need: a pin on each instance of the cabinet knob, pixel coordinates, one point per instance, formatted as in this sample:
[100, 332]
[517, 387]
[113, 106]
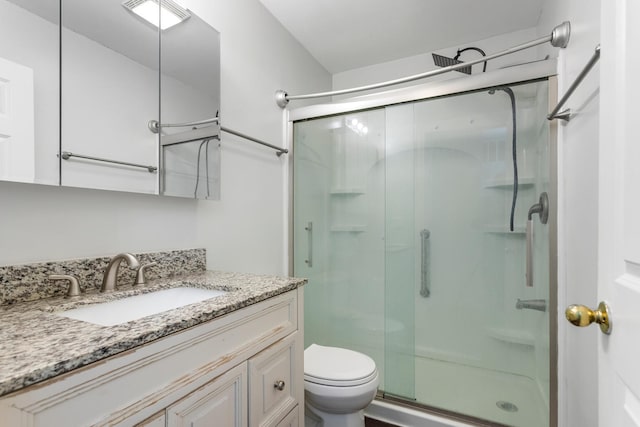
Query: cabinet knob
[279, 385]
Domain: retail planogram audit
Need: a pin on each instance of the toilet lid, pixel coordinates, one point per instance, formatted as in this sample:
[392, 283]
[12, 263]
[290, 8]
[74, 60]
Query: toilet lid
[337, 366]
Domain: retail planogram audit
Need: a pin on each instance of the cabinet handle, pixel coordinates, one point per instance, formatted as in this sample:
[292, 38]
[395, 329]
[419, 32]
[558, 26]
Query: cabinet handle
[279, 385]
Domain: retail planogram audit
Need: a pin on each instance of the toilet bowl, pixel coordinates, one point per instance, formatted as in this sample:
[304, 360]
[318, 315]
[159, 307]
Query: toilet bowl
[338, 385]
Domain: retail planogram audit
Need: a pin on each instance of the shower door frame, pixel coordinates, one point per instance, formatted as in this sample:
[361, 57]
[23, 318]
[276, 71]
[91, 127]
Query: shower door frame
[507, 76]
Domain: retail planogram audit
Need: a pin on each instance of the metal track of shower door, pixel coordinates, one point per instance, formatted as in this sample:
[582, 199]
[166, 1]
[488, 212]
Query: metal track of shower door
[451, 415]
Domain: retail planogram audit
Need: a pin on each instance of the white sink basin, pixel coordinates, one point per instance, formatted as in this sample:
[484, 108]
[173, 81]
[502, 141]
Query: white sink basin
[138, 306]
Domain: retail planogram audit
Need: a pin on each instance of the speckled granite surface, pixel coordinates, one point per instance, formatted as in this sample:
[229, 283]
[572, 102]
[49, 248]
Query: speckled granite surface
[37, 344]
[30, 282]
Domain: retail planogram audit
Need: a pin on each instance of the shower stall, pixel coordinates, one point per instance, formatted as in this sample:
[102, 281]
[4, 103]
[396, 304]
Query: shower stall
[402, 207]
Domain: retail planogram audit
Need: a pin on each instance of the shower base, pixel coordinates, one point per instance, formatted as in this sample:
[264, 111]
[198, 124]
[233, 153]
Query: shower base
[469, 391]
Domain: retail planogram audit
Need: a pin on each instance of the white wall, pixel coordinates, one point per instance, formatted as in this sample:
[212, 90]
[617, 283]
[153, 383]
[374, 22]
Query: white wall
[244, 231]
[577, 210]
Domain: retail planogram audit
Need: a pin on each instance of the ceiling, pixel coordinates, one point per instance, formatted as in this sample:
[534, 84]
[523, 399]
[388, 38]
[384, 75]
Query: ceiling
[347, 34]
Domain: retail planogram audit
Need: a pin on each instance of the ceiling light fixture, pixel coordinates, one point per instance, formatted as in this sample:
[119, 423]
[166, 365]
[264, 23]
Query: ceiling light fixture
[170, 14]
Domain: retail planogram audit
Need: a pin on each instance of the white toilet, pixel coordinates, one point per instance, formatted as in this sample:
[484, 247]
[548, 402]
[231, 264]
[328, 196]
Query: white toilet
[338, 385]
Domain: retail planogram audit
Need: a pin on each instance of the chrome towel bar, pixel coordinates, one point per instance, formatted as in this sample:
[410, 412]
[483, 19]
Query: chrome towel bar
[566, 114]
[66, 155]
[154, 126]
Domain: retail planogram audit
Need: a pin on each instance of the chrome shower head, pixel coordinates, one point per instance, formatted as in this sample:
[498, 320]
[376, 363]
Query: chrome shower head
[443, 61]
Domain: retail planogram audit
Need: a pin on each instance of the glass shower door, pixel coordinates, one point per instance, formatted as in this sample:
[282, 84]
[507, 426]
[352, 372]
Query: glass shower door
[402, 225]
[455, 270]
[338, 229]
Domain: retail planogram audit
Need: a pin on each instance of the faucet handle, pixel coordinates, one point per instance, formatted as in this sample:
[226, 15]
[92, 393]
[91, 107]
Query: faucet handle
[74, 285]
[140, 279]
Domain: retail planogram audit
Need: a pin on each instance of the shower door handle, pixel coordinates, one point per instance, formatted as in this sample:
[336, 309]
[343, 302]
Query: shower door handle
[309, 228]
[542, 209]
[425, 286]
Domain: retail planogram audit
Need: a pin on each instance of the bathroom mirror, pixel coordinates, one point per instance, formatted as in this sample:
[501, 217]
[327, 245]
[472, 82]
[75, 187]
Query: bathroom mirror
[90, 82]
[120, 71]
[29, 91]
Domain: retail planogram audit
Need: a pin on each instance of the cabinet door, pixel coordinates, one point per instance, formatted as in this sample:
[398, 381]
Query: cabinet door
[222, 402]
[291, 420]
[273, 382]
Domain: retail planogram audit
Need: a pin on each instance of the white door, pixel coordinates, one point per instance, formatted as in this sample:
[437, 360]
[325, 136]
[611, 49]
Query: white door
[618, 383]
[17, 149]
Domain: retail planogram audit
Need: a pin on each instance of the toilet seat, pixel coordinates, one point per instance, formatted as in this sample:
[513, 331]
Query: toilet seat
[337, 367]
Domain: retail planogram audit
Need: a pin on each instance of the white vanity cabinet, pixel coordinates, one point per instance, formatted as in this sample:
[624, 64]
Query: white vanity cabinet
[241, 369]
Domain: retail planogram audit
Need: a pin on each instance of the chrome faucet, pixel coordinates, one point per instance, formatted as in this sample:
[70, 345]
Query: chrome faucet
[110, 279]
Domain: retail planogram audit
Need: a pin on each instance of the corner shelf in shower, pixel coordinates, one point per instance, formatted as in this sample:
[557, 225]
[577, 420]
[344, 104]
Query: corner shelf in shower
[504, 229]
[348, 228]
[513, 336]
[507, 183]
[353, 191]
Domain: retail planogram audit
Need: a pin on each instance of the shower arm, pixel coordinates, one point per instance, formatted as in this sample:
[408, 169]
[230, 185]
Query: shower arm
[477, 49]
[559, 37]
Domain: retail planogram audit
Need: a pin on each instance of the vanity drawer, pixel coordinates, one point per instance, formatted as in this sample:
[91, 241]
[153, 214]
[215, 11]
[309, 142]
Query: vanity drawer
[273, 385]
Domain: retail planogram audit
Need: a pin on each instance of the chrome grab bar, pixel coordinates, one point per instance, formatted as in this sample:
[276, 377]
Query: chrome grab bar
[542, 209]
[309, 228]
[66, 155]
[425, 286]
[566, 114]
[529, 261]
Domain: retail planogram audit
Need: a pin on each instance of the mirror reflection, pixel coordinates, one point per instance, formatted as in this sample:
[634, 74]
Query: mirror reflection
[109, 84]
[29, 91]
[190, 155]
[109, 89]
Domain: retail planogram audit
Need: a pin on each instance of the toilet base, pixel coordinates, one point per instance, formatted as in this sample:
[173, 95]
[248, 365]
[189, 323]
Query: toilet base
[314, 417]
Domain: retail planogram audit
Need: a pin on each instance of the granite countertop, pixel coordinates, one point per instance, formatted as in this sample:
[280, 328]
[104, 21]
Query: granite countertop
[37, 344]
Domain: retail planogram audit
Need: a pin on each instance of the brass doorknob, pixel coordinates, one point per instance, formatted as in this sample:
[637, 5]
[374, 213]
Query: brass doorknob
[580, 315]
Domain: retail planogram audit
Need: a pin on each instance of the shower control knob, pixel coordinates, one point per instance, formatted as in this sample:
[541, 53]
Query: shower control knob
[580, 315]
[279, 385]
